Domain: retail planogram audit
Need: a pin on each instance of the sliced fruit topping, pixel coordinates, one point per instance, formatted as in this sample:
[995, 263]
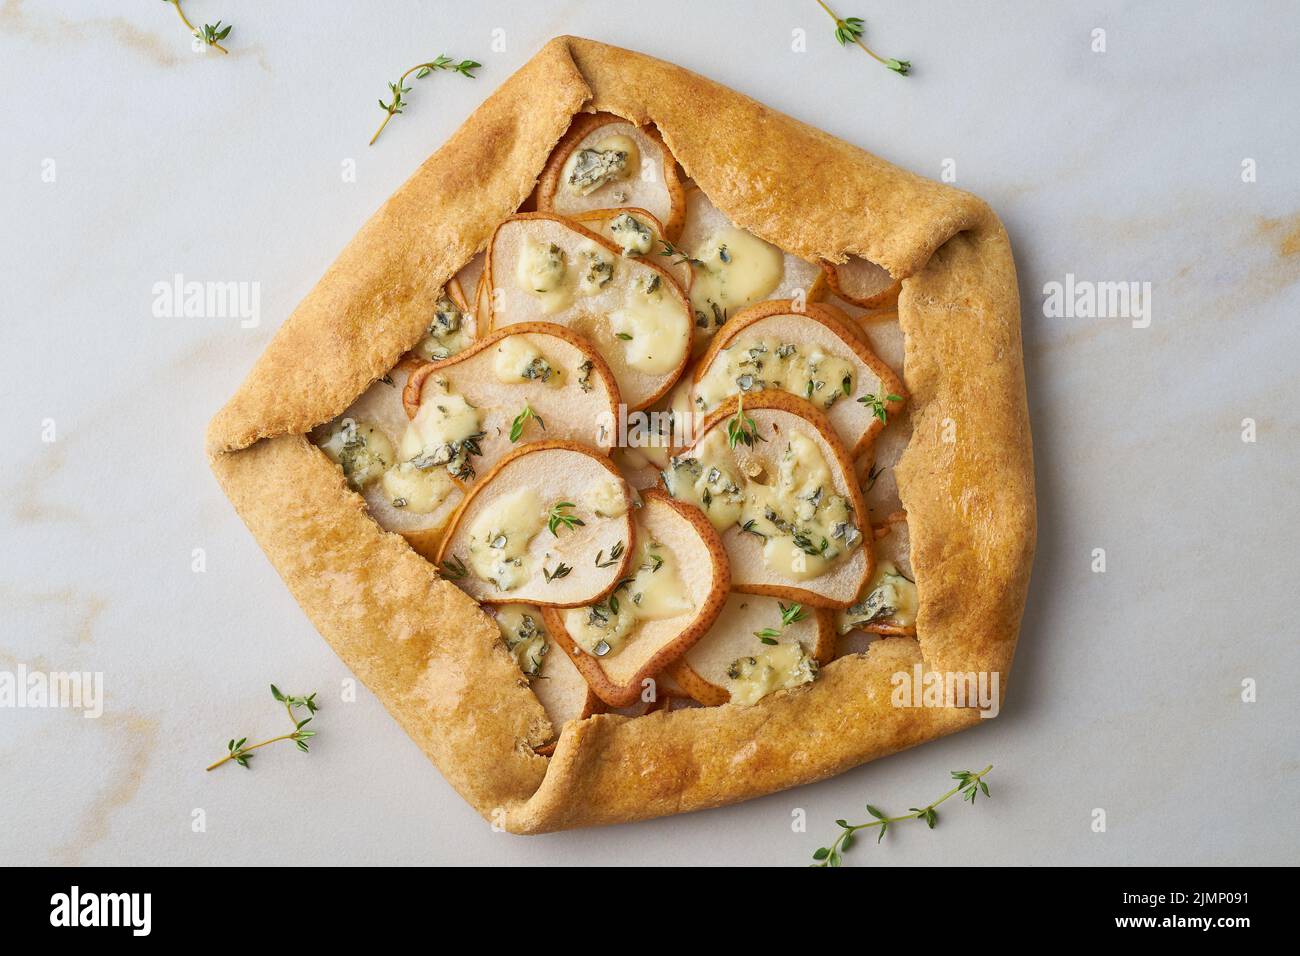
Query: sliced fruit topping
[813, 354]
[673, 590]
[604, 161]
[528, 533]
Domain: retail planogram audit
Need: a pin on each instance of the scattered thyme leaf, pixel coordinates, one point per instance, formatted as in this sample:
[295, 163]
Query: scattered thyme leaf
[560, 516]
[850, 30]
[212, 33]
[399, 89]
[241, 751]
[969, 785]
[517, 426]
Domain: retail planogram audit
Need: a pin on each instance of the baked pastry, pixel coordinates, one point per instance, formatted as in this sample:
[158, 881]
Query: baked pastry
[639, 439]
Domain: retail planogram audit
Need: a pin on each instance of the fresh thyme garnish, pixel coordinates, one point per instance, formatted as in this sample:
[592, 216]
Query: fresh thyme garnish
[241, 751]
[212, 33]
[791, 614]
[850, 30]
[677, 255]
[560, 516]
[421, 70]
[877, 405]
[624, 336]
[749, 528]
[741, 428]
[615, 553]
[969, 785]
[873, 475]
[453, 568]
[517, 426]
[561, 570]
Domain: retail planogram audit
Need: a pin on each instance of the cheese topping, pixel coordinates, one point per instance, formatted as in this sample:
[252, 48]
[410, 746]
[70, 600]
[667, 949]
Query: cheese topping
[649, 325]
[517, 360]
[776, 668]
[755, 364]
[419, 490]
[609, 160]
[525, 638]
[607, 500]
[595, 268]
[633, 235]
[804, 525]
[887, 598]
[499, 537]
[445, 431]
[542, 270]
[447, 333]
[733, 269]
[655, 592]
[361, 449]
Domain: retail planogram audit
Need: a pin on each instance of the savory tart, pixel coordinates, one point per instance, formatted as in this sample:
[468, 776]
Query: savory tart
[640, 439]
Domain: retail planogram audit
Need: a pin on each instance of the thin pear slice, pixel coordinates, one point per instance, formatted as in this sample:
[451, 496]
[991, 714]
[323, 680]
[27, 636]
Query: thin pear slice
[638, 234]
[577, 399]
[703, 670]
[529, 530]
[887, 603]
[876, 468]
[813, 353]
[563, 693]
[863, 283]
[797, 533]
[543, 268]
[452, 328]
[646, 176]
[380, 406]
[686, 558]
[764, 271]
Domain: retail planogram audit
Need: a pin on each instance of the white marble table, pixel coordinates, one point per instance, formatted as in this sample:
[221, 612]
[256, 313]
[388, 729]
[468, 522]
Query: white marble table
[1123, 165]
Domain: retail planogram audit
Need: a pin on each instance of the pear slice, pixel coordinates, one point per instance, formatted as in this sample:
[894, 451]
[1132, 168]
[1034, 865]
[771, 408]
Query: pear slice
[662, 605]
[863, 283]
[381, 407]
[887, 603]
[876, 468]
[530, 529]
[813, 353]
[559, 687]
[703, 670]
[776, 482]
[572, 393]
[638, 234]
[543, 268]
[452, 327]
[785, 276]
[585, 171]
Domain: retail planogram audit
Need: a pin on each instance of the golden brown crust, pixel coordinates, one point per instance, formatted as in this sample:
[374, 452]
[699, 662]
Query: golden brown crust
[437, 662]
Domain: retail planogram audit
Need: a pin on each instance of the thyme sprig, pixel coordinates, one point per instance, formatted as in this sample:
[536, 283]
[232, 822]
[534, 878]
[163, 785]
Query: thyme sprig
[790, 614]
[877, 405]
[241, 751]
[850, 30]
[517, 426]
[969, 785]
[212, 33]
[741, 429]
[677, 255]
[421, 70]
[560, 516]
[453, 568]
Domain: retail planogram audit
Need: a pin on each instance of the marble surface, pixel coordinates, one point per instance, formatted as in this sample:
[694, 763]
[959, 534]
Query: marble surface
[1123, 165]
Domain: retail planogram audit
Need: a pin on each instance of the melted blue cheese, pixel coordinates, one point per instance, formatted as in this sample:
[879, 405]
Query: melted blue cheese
[363, 450]
[887, 598]
[609, 160]
[521, 629]
[750, 679]
[518, 361]
[443, 434]
[499, 537]
[649, 326]
[733, 269]
[654, 592]
[758, 363]
[448, 333]
[803, 524]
